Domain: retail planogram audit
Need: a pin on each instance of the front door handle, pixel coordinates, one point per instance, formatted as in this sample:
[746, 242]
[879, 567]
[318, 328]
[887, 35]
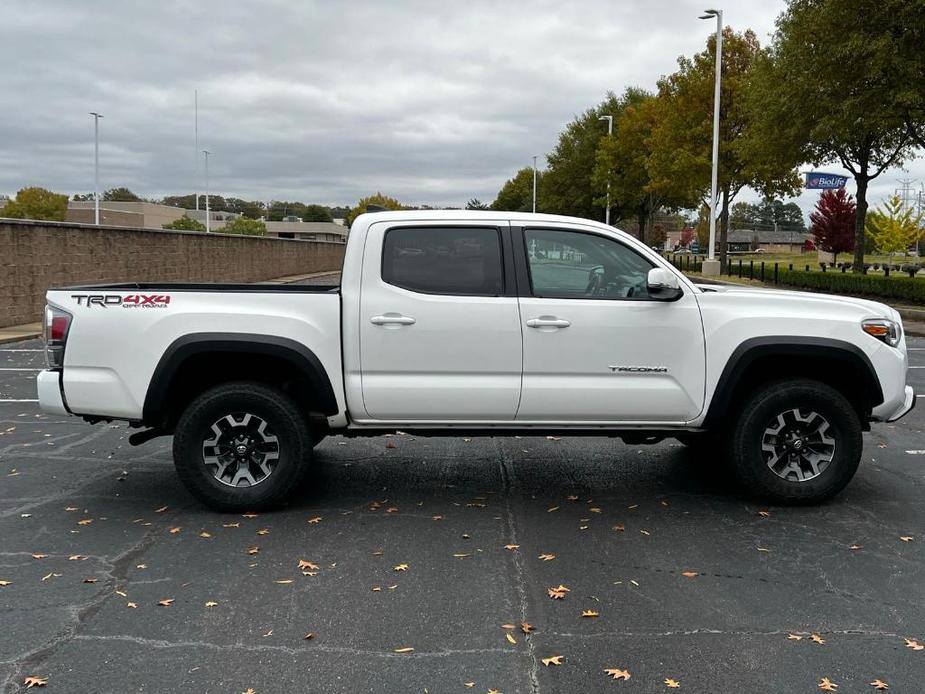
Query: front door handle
[548, 322]
[392, 319]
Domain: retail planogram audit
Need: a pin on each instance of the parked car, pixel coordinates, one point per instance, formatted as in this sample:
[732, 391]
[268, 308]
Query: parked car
[479, 323]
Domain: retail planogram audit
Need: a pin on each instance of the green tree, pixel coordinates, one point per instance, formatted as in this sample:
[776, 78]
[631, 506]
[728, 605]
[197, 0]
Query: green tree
[244, 226]
[476, 204]
[895, 228]
[252, 209]
[36, 203]
[185, 224]
[377, 199]
[317, 213]
[827, 91]
[683, 136]
[188, 202]
[120, 195]
[623, 162]
[567, 180]
[516, 195]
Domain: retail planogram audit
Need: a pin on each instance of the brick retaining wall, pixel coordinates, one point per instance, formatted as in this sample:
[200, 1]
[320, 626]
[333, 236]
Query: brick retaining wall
[35, 255]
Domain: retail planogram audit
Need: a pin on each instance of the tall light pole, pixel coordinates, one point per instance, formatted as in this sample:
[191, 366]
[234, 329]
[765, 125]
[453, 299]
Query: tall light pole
[96, 166]
[534, 183]
[196, 136]
[711, 266]
[208, 220]
[609, 120]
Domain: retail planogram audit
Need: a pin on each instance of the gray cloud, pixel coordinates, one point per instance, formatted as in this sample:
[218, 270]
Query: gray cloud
[323, 101]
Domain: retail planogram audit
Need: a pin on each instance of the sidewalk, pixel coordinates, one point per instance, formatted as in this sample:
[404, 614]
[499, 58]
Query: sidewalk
[15, 333]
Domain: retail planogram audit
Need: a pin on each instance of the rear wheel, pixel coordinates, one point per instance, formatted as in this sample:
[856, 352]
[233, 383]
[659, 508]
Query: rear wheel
[796, 442]
[241, 446]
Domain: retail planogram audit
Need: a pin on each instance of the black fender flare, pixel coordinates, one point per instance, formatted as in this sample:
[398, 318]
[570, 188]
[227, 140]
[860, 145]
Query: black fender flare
[302, 359]
[788, 347]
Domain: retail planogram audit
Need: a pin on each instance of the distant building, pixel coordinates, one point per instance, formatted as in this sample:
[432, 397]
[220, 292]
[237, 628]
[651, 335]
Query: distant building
[148, 215]
[308, 231]
[747, 240]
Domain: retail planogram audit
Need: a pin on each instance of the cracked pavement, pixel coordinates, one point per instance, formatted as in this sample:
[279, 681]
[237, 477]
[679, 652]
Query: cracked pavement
[726, 629]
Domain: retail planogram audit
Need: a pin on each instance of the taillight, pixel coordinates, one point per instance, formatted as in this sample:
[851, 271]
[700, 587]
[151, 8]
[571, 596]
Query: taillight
[57, 324]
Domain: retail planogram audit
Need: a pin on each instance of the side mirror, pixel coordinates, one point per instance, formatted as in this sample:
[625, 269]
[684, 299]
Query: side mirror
[663, 285]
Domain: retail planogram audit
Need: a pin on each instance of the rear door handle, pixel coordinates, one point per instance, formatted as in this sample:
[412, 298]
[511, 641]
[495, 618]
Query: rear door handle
[392, 319]
[548, 322]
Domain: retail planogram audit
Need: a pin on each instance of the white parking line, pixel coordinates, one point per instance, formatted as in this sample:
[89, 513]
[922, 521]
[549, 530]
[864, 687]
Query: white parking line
[6, 400]
[25, 369]
[42, 350]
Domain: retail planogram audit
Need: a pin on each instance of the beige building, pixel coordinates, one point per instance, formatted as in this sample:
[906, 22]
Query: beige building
[308, 231]
[148, 215]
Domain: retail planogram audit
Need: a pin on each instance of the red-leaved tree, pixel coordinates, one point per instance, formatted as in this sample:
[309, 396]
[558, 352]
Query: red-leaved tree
[687, 235]
[832, 223]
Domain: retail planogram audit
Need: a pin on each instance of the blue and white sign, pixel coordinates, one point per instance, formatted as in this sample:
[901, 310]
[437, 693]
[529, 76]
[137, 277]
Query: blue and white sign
[817, 180]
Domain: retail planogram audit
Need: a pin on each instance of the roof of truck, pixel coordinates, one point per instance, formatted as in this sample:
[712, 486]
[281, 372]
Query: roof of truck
[487, 215]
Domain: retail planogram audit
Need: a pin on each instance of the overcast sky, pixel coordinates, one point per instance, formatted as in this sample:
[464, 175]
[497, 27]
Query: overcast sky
[430, 102]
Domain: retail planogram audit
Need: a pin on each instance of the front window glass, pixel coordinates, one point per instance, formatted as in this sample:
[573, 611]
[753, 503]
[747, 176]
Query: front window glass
[576, 265]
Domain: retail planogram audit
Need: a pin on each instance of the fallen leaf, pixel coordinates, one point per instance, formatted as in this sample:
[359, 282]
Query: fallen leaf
[550, 510]
[315, 520]
[304, 564]
[914, 645]
[166, 602]
[590, 613]
[547, 557]
[85, 521]
[557, 593]
[468, 685]
[763, 549]
[826, 685]
[906, 538]
[672, 684]
[377, 589]
[645, 532]
[527, 628]
[690, 574]
[879, 684]
[248, 515]
[552, 660]
[462, 556]
[856, 547]
[90, 580]
[33, 681]
[618, 674]
[619, 528]
[211, 603]
[764, 514]
[253, 550]
[815, 638]
[174, 531]
[309, 636]
[5, 583]
[404, 649]
[510, 639]
[284, 581]
[131, 605]
[512, 547]
[400, 567]
[263, 531]
[205, 535]
[269, 633]
[160, 510]
[436, 517]
[77, 557]
[508, 626]
[39, 556]
[794, 637]
[231, 525]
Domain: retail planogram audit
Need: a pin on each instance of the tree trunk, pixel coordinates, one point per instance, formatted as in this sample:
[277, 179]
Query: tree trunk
[724, 229]
[860, 217]
[642, 217]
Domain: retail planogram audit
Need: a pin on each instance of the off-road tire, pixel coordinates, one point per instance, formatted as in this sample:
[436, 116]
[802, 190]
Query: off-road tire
[283, 420]
[752, 441]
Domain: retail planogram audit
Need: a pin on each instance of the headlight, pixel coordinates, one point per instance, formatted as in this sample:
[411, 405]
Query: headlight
[884, 330]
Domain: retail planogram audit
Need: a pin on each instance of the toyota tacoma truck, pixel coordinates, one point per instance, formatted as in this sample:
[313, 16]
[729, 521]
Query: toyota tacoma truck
[449, 323]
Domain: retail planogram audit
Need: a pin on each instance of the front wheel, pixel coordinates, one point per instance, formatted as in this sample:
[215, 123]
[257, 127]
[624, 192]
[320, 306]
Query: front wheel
[796, 442]
[241, 446]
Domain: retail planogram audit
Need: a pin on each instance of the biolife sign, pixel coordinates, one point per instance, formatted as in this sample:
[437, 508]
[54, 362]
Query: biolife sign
[816, 180]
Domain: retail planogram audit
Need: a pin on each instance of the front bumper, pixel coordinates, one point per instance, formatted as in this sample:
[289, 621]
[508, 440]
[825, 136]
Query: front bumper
[51, 400]
[906, 407]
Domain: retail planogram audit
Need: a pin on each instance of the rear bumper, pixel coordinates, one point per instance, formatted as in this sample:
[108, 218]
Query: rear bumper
[51, 400]
[906, 407]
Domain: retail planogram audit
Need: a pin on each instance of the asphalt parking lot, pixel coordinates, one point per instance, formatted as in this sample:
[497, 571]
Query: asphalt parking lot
[415, 562]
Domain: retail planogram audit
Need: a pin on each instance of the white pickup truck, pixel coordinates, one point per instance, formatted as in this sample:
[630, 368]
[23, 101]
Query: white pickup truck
[480, 323]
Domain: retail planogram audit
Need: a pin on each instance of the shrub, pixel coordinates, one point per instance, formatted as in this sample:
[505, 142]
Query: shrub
[907, 289]
[245, 227]
[185, 224]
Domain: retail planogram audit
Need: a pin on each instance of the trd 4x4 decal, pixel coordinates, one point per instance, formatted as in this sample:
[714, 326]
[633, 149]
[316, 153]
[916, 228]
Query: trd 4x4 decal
[129, 301]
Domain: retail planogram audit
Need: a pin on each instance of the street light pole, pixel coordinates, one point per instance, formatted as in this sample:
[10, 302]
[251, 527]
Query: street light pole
[208, 220]
[534, 183]
[711, 266]
[196, 136]
[609, 120]
[96, 166]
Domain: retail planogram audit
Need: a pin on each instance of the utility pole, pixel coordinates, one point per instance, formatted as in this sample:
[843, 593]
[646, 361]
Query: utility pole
[96, 166]
[711, 266]
[609, 120]
[208, 216]
[534, 183]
